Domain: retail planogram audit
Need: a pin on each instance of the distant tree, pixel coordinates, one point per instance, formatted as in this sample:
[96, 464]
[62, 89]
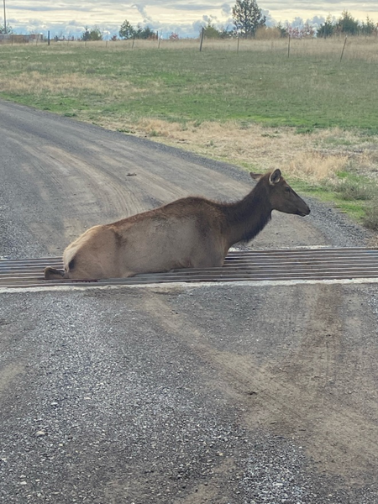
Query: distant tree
[9, 30]
[174, 36]
[347, 24]
[368, 27]
[225, 32]
[327, 29]
[247, 17]
[127, 31]
[283, 31]
[145, 33]
[210, 31]
[96, 34]
[91, 35]
[86, 35]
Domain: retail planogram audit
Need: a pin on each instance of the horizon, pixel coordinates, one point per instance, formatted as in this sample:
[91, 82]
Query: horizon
[186, 19]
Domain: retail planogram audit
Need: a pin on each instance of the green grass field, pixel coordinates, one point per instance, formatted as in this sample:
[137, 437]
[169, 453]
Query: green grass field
[116, 84]
[307, 90]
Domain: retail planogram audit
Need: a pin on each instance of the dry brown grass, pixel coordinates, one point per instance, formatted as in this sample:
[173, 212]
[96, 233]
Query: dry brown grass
[67, 82]
[317, 166]
[365, 48]
[308, 157]
[267, 33]
[356, 47]
[44, 83]
[267, 40]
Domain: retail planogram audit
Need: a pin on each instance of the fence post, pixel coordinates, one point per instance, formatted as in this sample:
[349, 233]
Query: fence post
[48, 37]
[288, 48]
[202, 35]
[342, 52]
[237, 49]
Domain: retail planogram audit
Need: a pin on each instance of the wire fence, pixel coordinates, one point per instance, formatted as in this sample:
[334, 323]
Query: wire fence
[343, 47]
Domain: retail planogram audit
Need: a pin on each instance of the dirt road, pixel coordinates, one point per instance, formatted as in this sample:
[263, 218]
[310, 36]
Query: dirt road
[221, 394]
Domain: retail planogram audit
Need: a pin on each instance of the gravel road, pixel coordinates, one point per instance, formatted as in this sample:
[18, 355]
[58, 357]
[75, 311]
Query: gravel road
[189, 395]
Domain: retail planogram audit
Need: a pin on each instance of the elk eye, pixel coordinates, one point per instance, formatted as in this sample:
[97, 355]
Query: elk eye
[287, 189]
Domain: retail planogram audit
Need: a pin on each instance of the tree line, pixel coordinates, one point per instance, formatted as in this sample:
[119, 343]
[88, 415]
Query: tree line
[347, 25]
[248, 20]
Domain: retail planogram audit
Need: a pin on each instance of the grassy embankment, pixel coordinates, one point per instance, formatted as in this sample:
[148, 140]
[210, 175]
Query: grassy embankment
[310, 114]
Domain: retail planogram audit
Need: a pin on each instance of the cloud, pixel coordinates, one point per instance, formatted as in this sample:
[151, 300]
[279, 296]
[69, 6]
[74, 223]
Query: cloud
[180, 16]
[338, 5]
[193, 7]
[226, 9]
[140, 8]
[45, 8]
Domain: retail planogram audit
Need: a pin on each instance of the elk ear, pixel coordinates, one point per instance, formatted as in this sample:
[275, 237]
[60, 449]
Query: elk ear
[256, 176]
[275, 177]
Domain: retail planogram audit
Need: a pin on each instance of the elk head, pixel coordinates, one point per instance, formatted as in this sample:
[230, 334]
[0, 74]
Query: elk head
[281, 196]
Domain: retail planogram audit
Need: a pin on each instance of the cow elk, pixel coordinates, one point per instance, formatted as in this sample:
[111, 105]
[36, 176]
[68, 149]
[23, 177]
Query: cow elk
[191, 232]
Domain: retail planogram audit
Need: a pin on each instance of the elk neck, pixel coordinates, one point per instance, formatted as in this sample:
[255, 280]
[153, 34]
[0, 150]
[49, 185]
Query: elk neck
[247, 217]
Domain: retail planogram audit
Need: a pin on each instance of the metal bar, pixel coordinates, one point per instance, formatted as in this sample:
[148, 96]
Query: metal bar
[192, 280]
[207, 274]
[204, 278]
[235, 255]
[235, 266]
[261, 265]
[232, 256]
[230, 261]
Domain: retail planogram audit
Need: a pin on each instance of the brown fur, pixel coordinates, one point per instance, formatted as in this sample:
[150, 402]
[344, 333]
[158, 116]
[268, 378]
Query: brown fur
[190, 232]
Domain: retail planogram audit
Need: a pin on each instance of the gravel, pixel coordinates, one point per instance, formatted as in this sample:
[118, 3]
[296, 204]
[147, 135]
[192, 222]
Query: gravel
[105, 399]
[104, 407]
[337, 227]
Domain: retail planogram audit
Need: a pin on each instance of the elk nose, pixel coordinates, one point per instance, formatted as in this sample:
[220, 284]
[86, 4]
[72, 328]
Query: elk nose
[304, 212]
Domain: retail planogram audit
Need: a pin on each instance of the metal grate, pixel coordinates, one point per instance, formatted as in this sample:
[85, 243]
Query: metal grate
[264, 265]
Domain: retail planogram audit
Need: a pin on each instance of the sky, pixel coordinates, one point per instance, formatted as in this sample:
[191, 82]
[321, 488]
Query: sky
[184, 17]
